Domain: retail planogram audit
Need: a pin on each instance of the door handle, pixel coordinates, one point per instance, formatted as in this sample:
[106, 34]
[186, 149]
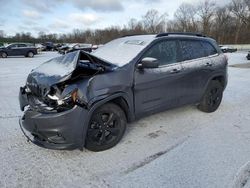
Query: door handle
[175, 71]
[208, 64]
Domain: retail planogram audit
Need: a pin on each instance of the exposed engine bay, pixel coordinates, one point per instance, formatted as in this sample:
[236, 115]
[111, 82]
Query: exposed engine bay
[52, 87]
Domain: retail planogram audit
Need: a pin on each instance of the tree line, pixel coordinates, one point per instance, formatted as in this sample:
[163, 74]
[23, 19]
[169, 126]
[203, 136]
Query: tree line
[228, 24]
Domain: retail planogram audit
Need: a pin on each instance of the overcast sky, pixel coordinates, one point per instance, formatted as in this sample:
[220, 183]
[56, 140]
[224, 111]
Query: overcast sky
[62, 16]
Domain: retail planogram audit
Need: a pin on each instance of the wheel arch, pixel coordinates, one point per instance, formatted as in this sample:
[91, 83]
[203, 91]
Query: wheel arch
[121, 99]
[29, 52]
[219, 77]
[4, 52]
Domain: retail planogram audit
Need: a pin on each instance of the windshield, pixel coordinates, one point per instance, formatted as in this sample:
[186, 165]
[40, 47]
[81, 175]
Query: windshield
[8, 45]
[121, 51]
[59, 66]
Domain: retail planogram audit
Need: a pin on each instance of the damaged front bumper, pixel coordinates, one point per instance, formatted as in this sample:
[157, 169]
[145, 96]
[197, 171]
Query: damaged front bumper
[57, 130]
[54, 130]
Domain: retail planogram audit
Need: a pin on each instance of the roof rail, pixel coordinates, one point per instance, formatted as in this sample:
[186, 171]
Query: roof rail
[180, 33]
[135, 34]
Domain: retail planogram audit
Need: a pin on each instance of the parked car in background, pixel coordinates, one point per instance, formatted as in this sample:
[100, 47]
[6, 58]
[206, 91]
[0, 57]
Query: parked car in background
[248, 55]
[86, 99]
[40, 47]
[74, 47]
[49, 46]
[18, 49]
[84, 47]
[63, 48]
[95, 47]
[226, 49]
[58, 46]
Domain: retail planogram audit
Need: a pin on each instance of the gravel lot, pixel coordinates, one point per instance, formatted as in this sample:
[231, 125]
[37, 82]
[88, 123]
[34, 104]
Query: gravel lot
[177, 148]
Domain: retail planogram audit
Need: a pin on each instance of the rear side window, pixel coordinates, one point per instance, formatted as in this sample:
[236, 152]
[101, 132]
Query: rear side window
[209, 48]
[21, 45]
[164, 51]
[191, 49]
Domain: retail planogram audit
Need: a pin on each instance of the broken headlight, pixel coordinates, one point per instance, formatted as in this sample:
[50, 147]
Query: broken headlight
[60, 101]
[66, 101]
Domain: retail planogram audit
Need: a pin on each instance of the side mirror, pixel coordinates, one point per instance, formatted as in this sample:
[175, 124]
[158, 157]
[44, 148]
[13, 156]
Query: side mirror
[148, 63]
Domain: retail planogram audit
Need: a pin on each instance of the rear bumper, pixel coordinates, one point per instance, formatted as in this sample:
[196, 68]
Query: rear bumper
[64, 130]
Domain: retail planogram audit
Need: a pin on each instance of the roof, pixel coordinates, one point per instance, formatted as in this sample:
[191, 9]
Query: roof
[151, 37]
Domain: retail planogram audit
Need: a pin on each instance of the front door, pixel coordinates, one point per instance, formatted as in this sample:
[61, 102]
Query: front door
[12, 50]
[159, 88]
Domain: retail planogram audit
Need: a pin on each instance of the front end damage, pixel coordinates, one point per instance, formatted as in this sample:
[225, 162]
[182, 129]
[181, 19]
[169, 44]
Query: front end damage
[55, 100]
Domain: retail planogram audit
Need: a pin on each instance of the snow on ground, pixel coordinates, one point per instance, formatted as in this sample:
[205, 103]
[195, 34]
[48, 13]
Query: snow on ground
[237, 58]
[182, 147]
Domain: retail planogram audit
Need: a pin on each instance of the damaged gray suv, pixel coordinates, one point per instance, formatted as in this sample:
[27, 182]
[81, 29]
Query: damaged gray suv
[86, 99]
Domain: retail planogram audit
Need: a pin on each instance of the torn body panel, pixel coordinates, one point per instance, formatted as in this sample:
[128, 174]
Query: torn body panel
[58, 106]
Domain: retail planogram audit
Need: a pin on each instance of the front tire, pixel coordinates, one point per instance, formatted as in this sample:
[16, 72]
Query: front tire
[4, 55]
[106, 128]
[212, 98]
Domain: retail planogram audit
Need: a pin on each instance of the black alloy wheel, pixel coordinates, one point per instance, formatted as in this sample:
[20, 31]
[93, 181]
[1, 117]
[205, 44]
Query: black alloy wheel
[212, 98]
[106, 128]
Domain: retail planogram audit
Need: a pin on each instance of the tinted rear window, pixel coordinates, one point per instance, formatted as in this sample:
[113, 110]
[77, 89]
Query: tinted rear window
[21, 45]
[191, 49]
[209, 48]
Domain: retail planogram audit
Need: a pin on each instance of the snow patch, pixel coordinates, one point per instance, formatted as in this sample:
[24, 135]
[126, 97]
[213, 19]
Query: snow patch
[59, 66]
[121, 51]
[242, 178]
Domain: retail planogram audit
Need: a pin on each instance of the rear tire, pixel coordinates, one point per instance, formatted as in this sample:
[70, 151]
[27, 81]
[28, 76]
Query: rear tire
[106, 128]
[30, 54]
[4, 55]
[212, 98]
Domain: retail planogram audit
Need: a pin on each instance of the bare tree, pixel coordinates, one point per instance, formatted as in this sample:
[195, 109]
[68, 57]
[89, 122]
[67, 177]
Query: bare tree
[206, 10]
[229, 23]
[134, 27]
[241, 12]
[185, 16]
[153, 22]
[221, 26]
[132, 24]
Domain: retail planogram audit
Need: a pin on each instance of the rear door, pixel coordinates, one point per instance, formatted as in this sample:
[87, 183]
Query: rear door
[22, 49]
[197, 68]
[212, 53]
[159, 88]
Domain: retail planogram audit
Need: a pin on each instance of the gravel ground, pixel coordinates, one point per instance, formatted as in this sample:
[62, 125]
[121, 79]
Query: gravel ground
[182, 147]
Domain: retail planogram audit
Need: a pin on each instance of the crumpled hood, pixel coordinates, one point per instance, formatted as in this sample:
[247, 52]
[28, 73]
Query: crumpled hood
[51, 72]
[55, 71]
